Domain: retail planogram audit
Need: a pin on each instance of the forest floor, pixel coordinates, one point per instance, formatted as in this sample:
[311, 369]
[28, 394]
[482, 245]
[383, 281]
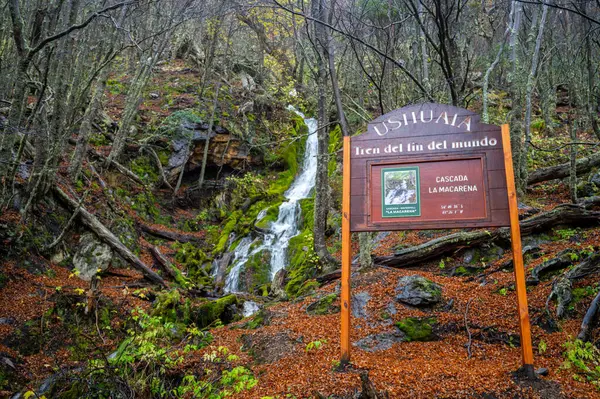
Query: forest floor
[295, 354]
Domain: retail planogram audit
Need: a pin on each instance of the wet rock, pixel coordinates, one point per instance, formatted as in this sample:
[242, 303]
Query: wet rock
[278, 284]
[250, 308]
[328, 304]
[418, 291]
[220, 265]
[261, 318]
[381, 341]
[391, 308]
[91, 257]
[358, 304]
[154, 96]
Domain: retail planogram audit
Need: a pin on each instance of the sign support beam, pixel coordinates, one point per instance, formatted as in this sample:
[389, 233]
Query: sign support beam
[346, 256]
[515, 232]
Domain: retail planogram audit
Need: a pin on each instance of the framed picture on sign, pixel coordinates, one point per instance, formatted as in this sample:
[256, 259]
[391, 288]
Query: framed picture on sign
[401, 192]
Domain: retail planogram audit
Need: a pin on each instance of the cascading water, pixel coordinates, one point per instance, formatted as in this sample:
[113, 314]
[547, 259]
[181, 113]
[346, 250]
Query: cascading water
[277, 239]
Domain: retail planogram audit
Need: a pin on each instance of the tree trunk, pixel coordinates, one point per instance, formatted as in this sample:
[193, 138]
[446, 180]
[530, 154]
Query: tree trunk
[528, 94]
[321, 208]
[85, 129]
[207, 142]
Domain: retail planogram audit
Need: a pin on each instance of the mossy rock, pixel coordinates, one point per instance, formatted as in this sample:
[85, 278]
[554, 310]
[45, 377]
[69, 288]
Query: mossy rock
[271, 216]
[328, 304]
[416, 290]
[418, 329]
[262, 318]
[167, 305]
[225, 309]
[257, 271]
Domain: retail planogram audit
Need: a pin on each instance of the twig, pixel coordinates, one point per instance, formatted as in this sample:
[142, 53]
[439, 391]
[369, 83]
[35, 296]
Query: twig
[470, 341]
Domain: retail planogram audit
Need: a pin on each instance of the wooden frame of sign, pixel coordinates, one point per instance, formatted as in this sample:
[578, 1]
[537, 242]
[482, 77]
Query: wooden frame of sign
[430, 166]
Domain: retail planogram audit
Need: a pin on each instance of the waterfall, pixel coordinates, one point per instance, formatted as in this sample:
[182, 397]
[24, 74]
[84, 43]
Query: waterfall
[277, 238]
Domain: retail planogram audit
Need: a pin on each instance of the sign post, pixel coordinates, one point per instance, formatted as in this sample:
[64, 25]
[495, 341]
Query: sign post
[430, 166]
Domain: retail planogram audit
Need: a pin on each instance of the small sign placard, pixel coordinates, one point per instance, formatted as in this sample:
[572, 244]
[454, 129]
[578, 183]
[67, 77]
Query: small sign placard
[400, 192]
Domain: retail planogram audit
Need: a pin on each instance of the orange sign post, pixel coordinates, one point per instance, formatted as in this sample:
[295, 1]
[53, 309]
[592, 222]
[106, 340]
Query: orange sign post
[430, 166]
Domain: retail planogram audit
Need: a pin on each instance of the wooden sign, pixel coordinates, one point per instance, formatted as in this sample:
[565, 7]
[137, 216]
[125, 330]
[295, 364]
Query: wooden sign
[458, 162]
[430, 166]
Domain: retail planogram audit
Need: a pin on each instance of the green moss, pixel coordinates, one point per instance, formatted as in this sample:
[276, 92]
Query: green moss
[261, 318]
[335, 143]
[145, 169]
[417, 329]
[173, 124]
[229, 227]
[166, 305]
[257, 271]
[308, 288]
[271, 216]
[583, 292]
[301, 266]
[307, 218]
[209, 312]
[326, 305]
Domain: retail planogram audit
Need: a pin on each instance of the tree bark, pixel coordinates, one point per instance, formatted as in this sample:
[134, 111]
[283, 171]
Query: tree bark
[321, 210]
[207, 142]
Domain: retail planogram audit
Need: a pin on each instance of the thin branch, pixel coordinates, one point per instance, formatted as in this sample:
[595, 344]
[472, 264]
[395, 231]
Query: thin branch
[373, 48]
[560, 7]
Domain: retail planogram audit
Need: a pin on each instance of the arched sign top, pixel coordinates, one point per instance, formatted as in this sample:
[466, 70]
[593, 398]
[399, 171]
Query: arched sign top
[424, 119]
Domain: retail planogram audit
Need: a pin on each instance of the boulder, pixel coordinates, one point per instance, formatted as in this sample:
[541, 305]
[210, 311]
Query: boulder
[92, 256]
[418, 291]
[189, 134]
[326, 305]
[381, 341]
[278, 284]
[358, 304]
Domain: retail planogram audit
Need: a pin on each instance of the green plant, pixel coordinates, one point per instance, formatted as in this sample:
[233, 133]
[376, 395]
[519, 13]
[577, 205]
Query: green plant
[542, 347]
[584, 359]
[565, 234]
[503, 291]
[315, 345]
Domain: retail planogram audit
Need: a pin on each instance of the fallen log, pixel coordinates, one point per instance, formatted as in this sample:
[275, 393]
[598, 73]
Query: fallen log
[561, 171]
[167, 234]
[562, 288]
[560, 261]
[108, 237]
[567, 214]
[168, 267]
[326, 278]
[588, 319]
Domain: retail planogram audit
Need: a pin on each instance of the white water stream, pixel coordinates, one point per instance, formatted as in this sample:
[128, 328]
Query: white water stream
[277, 239]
